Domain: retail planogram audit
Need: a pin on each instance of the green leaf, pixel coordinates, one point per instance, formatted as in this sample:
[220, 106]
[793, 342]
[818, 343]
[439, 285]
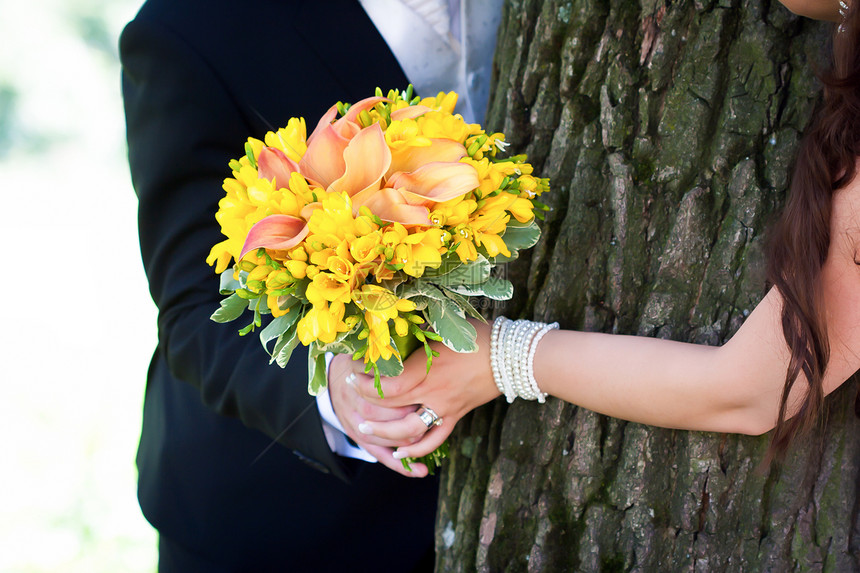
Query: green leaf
[502, 259]
[263, 305]
[520, 236]
[287, 342]
[472, 273]
[421, 288]
[391, 367]
[232, 308]
[316, 371]
[449, 322]
[277, 327]
[495, 288]
[464, 305]
[449, 262]
[228, 283]
[249, 152]
[344, 343]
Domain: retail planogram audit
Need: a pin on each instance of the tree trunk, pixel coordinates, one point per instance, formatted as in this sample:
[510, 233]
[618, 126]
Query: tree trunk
[668, 131]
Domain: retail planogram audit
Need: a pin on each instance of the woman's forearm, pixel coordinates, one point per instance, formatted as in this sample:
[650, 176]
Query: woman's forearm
[733, 388]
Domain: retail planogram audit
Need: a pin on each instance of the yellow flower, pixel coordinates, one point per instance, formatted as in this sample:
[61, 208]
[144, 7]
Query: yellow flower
[424, 250]
[341, 268]
[378, 339]
[220, 256]
[495, 221]
[320, 258]
[441, 125]
[297, 268]
[521, 209]
[333, 223]
[275, 302]
[466, 250]
[491, 173]
[376, 299]
[292, 139]
[528, 184]
[492, 243]
[443, 102]
[455, 211]
[318, 324]
[364, 249]
[278, 279]
[401, 326]
[380, 305]
[325, 287]
[298, 254]
[405, 133]
[256, 278]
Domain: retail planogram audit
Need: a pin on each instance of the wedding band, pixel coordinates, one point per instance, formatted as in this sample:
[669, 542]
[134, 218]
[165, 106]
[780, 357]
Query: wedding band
[429, 417]
[350, 379]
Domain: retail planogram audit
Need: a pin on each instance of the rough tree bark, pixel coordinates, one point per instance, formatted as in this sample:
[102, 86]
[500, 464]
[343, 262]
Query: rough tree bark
[668, 129]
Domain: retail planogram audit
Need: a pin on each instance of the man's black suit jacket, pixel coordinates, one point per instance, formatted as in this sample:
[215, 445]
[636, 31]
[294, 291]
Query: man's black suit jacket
[199, 77]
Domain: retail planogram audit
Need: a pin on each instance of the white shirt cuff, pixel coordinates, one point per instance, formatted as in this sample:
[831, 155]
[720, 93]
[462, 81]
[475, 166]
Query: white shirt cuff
[333, 429]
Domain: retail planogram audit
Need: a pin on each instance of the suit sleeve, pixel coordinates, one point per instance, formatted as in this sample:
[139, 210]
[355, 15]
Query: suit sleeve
[183, 126]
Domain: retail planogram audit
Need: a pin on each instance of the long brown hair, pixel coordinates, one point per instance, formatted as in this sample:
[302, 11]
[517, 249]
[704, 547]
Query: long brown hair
[800, 241]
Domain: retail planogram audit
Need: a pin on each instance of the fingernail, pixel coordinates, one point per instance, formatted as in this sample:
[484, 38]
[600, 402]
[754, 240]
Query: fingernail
[398, 455]
[365, 428]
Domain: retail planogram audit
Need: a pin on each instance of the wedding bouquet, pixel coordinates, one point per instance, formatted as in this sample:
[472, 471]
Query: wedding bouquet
[369, 236]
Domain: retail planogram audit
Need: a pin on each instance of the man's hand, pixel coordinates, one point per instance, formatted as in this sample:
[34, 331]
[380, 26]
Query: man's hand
[354, 411]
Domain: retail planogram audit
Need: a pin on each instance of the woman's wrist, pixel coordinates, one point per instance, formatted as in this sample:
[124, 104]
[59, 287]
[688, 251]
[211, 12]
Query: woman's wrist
[513, 345]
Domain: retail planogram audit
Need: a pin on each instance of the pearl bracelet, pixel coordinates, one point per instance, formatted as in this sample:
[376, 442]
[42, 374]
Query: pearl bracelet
[513, 345]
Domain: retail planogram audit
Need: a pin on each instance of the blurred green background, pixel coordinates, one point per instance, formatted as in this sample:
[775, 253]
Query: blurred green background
[78, 324]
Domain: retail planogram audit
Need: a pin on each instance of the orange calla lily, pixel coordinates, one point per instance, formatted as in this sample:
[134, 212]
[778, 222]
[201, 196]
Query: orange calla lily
[435, 182]
[346, 126]
[341, 156]
[323, 162]
[409, 112]
[361, 106]
[390, 205]
[279, 232]
[412, 157]
[274, 165]
[366, 160]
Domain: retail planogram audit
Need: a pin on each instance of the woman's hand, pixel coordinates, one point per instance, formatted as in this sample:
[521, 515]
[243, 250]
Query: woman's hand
[352, 410]
[456, 384]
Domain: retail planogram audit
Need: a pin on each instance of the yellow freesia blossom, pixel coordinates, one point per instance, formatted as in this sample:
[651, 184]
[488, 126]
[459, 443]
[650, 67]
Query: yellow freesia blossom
[464, 236]
[420, 250]
[378, 339]
[326, 287]
[364, 249]
[493, 243]
[442, 101]
[441, 125]
[320, 323]
[292, 139]
[454, 212]
[405, 133]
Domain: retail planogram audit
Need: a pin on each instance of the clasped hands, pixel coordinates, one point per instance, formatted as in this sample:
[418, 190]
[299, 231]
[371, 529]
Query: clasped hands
[391, 428]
